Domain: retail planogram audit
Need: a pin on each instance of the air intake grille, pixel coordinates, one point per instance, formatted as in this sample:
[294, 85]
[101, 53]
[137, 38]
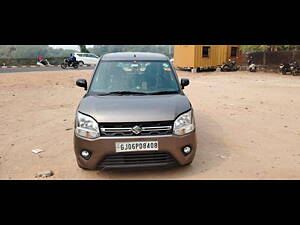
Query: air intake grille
[138, 159]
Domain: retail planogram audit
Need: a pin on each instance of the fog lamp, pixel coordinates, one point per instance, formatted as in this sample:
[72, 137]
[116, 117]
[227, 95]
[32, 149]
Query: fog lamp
[85, 154]
[187, 150]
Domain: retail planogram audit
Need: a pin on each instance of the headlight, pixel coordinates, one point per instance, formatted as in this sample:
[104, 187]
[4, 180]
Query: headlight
[184, 124]
[86, 126]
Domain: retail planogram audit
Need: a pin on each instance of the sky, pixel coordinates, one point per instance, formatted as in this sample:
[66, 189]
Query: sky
[74, 47]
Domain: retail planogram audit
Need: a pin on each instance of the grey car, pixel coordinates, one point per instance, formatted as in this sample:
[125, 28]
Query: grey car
[134, 114]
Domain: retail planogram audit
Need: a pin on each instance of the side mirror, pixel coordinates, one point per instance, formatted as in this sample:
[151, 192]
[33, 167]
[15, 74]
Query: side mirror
[184, 82]
[82, 83]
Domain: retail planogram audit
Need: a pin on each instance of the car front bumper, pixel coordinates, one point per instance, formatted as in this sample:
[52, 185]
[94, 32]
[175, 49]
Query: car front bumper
[105, 146]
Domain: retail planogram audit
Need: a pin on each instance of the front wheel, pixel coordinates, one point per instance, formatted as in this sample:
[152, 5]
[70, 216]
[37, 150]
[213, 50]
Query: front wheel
[81, 63]
[63, 65]
[75, 66]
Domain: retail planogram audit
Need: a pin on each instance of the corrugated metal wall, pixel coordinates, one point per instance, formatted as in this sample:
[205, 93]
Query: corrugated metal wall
[184, 55]
[217, 56]
[191, 55]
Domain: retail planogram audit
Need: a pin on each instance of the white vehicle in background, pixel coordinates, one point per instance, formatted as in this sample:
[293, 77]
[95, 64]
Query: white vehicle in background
[86, 58]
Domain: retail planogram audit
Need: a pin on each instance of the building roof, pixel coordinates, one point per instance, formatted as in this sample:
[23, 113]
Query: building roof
[134, 56]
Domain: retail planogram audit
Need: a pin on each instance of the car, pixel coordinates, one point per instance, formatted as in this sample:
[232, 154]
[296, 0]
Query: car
[86, 58]
[134, 114]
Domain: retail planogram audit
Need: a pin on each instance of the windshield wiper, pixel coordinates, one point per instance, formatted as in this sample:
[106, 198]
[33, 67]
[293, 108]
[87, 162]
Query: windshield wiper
[122, 93]
[163, 93]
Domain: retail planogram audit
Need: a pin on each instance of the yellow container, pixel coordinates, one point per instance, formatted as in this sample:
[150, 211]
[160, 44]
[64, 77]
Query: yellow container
[204, 56]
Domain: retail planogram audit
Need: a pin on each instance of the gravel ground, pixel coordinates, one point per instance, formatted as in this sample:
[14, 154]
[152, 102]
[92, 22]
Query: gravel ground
[247, 127]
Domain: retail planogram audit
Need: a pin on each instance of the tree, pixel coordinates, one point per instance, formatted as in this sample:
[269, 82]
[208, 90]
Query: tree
[32, 51]
[10, 51]
[83, 49]
[103, 49]
[271, 48]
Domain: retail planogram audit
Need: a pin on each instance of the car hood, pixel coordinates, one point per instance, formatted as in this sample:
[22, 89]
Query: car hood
[134, 108]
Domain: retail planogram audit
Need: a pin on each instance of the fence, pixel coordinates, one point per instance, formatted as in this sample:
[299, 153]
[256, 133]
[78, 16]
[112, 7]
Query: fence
[272, 60]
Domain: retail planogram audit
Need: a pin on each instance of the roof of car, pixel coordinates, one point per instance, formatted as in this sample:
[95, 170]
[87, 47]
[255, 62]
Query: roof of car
[134, 56]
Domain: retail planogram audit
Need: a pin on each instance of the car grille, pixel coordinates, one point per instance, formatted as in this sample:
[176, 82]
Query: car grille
[137, 159]
[126, 129]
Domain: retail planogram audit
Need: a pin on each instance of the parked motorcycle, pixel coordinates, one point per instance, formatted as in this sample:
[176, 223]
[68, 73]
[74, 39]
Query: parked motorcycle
[43, 62]
[295, 67]
[229, 66]
[252, 68]
[285, 68]
[67, 63]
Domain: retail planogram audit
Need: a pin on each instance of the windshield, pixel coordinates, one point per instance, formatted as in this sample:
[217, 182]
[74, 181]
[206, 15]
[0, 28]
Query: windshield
[130, 77]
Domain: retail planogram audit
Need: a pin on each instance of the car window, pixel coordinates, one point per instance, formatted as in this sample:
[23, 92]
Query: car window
[93, 56]
[90, 56]
[134, 76]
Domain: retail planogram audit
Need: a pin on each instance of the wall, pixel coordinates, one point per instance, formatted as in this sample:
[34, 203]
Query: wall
[270, 61]
[217, 56]
[275, 58]
[184, 55]
[191, 55]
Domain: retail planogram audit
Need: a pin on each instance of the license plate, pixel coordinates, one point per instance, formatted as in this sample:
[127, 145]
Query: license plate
[137, 146]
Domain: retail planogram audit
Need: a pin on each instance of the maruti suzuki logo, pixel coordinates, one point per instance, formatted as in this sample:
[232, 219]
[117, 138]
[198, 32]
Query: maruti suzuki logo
[136, 130]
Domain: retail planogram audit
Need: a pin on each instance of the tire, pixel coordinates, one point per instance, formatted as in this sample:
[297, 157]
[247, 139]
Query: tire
[81, 63]
[283, 71]
[63, 65]
[225, 69]
[75, 66]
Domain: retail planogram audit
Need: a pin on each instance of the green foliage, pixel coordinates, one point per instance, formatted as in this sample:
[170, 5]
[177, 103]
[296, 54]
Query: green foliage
[31, 51]
[83, 49]
[103, 49]
[34, 51]
[261, 48]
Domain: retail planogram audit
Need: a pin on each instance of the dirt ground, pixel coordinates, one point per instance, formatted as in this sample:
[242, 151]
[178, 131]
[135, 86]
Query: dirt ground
[248, 127]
